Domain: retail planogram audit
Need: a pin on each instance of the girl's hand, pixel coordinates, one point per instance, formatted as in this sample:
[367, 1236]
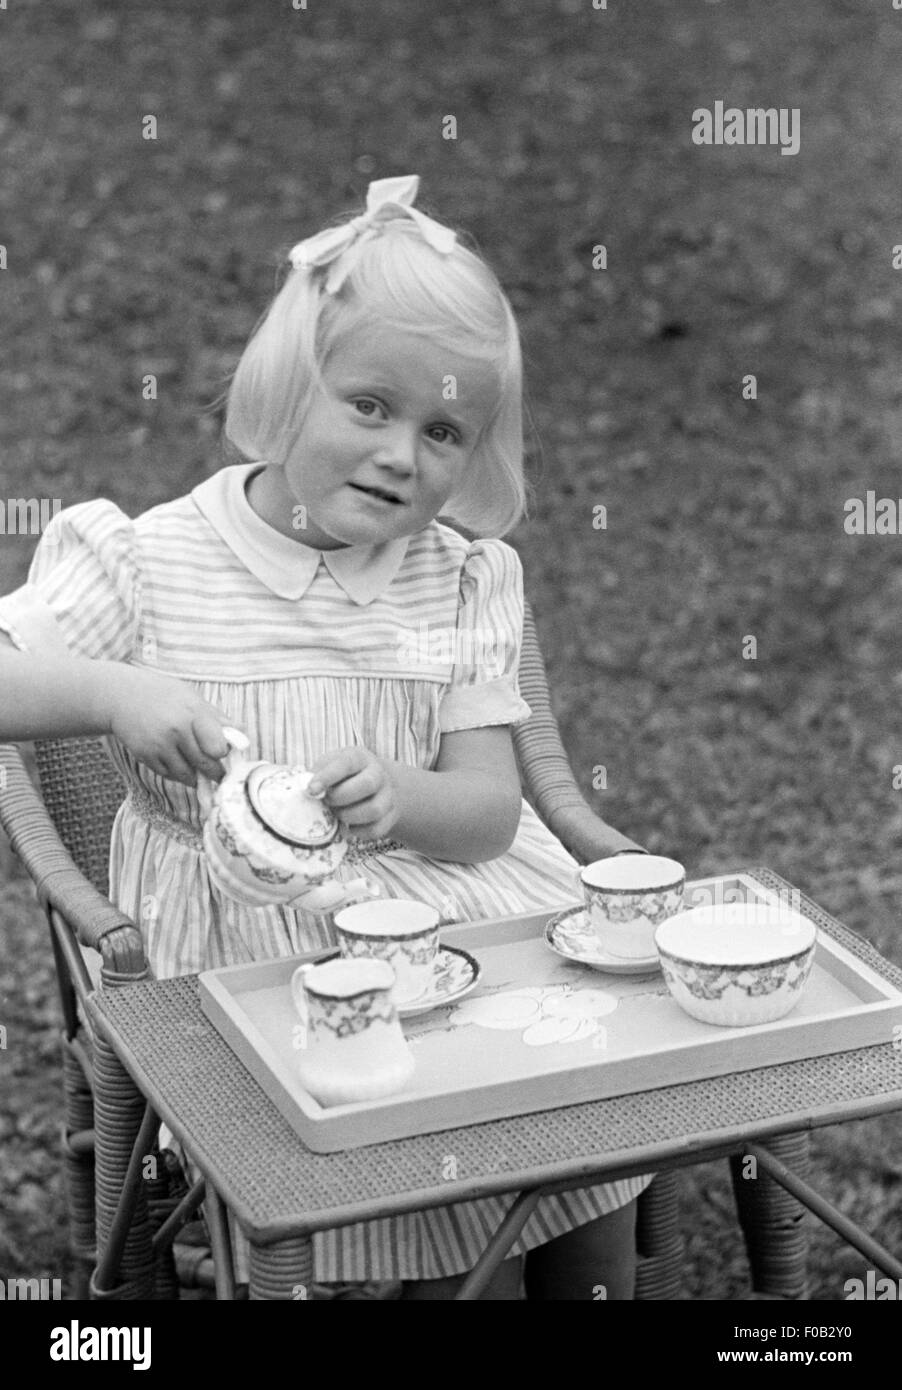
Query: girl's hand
[166, 725]
[359, 790]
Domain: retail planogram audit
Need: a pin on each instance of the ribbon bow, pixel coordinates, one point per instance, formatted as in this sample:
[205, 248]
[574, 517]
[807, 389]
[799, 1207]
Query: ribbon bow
[385, 198]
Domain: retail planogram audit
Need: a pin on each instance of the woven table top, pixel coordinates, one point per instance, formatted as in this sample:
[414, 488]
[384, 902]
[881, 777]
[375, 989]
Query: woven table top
[277, 1187]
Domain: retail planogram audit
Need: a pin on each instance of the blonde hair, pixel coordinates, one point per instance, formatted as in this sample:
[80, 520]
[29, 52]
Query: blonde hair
[397, 279]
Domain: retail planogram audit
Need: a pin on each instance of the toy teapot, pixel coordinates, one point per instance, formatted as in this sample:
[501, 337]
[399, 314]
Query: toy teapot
[269, 840]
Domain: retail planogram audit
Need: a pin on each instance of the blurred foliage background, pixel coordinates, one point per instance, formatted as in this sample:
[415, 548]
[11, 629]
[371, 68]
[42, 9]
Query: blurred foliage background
[128, 256]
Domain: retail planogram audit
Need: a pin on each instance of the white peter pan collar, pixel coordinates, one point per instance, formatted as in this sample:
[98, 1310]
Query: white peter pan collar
[282, 564]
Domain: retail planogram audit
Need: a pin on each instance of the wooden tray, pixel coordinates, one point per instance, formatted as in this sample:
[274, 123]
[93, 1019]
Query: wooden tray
[468, 1073]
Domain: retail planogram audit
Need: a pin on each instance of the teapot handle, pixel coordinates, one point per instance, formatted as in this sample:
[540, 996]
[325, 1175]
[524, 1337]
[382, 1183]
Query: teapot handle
[238, 743]
[299, 995]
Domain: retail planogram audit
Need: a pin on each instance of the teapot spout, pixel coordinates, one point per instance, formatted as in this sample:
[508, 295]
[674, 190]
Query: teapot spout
[328, 897]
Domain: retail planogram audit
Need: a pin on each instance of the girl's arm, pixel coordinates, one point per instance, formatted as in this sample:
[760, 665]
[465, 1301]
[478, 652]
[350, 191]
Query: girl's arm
[466, 810]
[52, 697]
[159, 718]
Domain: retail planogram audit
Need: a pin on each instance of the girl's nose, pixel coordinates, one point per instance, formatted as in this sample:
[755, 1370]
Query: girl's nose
[398, 449]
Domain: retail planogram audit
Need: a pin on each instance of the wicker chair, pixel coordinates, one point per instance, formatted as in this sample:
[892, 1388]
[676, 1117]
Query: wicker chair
[62, 837]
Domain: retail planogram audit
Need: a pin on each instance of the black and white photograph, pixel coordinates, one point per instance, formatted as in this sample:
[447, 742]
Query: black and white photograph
[450, 666]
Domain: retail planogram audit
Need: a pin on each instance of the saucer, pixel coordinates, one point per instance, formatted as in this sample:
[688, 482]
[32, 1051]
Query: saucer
[570, 934]
[456, 973]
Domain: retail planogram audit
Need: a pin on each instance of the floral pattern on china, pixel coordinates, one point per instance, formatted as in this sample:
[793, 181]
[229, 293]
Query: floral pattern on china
[455, 973]
[268, 839]
[626, 907]
[349, 1045]
[416, 955]
[712, 981]
[345, 1017]
[571, 935]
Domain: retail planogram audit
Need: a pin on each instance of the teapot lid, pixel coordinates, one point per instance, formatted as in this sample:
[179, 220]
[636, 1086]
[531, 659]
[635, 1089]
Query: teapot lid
[280, 798]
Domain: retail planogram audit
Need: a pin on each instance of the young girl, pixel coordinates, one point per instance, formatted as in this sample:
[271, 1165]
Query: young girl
[310, 597]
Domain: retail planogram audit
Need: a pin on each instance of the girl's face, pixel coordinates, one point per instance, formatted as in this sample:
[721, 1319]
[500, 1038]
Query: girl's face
[381, 449]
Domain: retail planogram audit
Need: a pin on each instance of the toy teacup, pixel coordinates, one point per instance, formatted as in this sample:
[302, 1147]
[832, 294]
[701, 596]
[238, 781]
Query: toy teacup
[402, 932]
[627, 898]
[269, 840]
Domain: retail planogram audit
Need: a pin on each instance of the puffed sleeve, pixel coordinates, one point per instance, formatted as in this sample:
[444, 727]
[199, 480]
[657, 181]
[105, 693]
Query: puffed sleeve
[82, 595]
[486, 651]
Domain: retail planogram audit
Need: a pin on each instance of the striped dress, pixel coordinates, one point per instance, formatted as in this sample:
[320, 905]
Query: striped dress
[388, 646]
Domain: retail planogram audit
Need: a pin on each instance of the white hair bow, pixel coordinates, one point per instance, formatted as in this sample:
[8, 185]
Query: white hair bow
[385, 198]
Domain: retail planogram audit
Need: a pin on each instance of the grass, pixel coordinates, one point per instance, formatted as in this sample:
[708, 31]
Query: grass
[128, 256]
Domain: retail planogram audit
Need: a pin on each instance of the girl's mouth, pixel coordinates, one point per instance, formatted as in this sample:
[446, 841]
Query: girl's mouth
[380, 494]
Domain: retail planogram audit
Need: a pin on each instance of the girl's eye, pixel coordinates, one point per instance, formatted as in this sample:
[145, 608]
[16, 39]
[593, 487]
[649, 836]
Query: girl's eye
[366, 406]
[449, 435]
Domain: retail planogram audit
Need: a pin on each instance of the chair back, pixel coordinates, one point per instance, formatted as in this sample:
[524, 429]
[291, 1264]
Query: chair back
[82, 791]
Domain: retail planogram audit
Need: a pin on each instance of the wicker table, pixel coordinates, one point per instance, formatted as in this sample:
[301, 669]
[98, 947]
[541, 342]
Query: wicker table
[280, 1191]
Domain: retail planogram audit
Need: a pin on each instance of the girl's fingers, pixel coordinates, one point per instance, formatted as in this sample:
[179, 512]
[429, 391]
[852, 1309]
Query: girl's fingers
[196, 759]
[210, 739]
[176, 769]
[337, 767]
[380, 828]
[363, 786]
[373, 829]
[374, 808]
